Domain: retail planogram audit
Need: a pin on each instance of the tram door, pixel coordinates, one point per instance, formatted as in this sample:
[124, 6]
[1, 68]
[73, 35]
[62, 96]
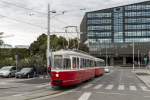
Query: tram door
[75, 62]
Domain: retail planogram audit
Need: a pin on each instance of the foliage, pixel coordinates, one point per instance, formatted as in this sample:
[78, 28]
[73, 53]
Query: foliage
[7, 62]
[35, 56]
[7, 56]
[1, 41]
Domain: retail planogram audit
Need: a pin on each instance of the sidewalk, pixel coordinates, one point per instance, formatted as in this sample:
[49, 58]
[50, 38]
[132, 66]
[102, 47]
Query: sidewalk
[143, 75]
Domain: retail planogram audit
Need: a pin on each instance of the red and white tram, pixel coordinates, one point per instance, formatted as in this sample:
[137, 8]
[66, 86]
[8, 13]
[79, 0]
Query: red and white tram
[72, 67]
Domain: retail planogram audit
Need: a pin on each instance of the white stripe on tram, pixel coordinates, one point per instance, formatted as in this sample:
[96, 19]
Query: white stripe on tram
[121, 87]
[109, 87]
[85, 96]
[98, 86]
[87, 86]
[133, 88]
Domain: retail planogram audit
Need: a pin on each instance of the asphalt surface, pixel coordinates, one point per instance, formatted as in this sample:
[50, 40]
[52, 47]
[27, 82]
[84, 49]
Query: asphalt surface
[12, 87]
[119, 84]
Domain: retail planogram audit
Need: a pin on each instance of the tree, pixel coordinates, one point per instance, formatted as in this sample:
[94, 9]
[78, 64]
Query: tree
[38, 48]
[1, 41]
[73, 43]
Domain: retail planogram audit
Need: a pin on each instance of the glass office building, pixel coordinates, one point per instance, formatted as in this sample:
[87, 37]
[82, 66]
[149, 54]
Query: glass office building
[112, 32]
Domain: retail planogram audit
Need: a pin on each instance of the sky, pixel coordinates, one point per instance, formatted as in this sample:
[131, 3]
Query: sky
[22, 21]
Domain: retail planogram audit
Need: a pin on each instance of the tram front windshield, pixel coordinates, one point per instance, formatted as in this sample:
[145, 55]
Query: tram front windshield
[58, 62]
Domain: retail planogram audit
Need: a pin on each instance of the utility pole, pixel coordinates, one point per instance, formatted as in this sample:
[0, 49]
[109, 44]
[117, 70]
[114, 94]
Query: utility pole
[78, 37]
[48, 51]
[133, 57]
[139, 58]
[78, 34]
[106, 58]
[48, 39]
[66, 32]
[17, 58]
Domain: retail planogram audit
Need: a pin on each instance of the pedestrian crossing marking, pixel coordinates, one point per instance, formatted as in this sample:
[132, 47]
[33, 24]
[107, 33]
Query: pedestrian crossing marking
[144, 88]
[87, 86]
[41, 86]
[85, 96]
[109, 87]
[121, 87]
[133, 88]
[98, 86]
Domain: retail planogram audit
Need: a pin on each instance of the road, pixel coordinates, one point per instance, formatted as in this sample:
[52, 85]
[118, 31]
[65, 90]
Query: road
[119, 84]
[13, 88]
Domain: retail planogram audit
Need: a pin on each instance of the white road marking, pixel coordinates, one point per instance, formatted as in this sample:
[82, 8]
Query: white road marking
[121, 87]
[109, 87]
[87, 86]
[98, 86]
[133, 88]
[144, 88]
[120, 78]
[3, 83]
[20, 94]
[44, 85]
[85, 96]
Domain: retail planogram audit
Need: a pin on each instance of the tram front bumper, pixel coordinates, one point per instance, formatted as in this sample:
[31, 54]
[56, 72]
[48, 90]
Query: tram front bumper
[57, 82]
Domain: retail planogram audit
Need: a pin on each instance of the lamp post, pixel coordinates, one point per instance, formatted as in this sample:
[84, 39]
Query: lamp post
[106, 57]
[133, 58]
[139, 58]
[48, 52]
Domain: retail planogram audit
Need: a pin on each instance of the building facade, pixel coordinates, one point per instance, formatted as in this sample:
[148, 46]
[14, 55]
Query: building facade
[113, 33]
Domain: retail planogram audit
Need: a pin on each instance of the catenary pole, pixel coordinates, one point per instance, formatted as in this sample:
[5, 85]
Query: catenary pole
[48, 38]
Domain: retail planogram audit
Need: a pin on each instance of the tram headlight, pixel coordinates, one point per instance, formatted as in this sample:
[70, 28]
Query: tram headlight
[57, 75]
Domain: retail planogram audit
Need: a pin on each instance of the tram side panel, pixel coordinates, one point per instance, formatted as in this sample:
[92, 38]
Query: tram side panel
[70, 78]
[99, 71]
[66, 78]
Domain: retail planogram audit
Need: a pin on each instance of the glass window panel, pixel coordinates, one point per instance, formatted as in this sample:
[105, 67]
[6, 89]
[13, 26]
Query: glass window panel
[98, 15]
[137, 40]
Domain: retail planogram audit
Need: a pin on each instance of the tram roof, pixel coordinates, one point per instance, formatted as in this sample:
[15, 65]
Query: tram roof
[75, 53]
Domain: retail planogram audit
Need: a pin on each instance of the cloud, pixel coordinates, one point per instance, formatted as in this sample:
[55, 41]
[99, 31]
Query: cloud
[30, 24]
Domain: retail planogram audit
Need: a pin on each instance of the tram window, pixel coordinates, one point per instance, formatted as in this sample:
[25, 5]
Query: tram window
[77, 62]
[67, 63]
[58, 61]
[95, 64]
[84, 63]
[74, 64]
[87, 63]
[90, 63]
[81, 62]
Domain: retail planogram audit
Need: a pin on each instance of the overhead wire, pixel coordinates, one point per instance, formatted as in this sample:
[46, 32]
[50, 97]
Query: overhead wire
[9, 3]
[58, 20]
[14, 19]
[16, 5]
[19, 6]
